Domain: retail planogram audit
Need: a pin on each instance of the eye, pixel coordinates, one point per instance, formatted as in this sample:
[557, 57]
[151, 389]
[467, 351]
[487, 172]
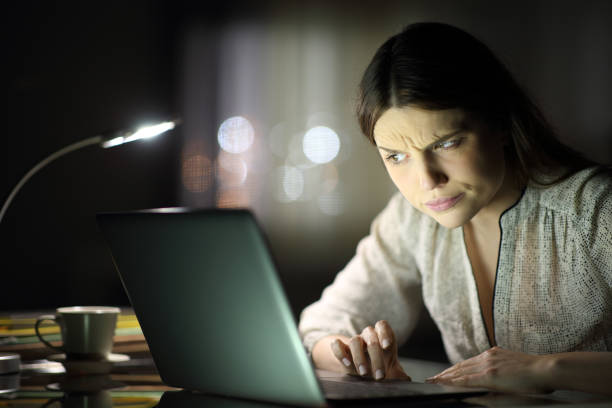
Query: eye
[395, 158]
[447, 144]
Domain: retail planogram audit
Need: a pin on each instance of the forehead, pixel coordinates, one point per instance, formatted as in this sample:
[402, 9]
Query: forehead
[413, 127]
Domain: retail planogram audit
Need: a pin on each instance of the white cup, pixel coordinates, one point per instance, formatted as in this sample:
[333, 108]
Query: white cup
[87, 331]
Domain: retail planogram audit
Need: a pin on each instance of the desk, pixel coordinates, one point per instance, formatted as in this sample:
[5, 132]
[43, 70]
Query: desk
[140, 387]
[136, 383]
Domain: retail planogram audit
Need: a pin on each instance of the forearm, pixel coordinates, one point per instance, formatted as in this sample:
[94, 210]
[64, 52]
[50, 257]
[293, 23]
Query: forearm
[323, 356]
[580, 371]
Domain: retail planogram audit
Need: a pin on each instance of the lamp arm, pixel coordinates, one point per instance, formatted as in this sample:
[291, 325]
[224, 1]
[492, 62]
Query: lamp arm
[43, 163]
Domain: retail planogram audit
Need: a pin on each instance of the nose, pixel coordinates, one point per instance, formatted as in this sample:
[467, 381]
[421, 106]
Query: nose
[430, 175]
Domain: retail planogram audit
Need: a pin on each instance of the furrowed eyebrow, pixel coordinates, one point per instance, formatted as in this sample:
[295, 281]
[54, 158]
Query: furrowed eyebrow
[389, 150]
[439, 139]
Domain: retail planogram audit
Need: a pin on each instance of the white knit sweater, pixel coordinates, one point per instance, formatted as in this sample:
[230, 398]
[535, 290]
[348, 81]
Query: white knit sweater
[553, 288]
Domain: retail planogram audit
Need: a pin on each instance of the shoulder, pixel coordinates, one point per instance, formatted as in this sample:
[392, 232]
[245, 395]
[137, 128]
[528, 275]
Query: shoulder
[585, 195]
[404, 228]
[398, 210]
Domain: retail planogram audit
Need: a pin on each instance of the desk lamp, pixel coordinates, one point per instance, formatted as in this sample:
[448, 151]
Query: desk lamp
[105, 141]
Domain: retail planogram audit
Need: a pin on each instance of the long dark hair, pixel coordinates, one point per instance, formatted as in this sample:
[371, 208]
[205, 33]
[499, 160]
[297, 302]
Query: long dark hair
[438, 66]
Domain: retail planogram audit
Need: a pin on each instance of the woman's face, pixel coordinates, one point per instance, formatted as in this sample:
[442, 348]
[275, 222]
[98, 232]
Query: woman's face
[446, 164]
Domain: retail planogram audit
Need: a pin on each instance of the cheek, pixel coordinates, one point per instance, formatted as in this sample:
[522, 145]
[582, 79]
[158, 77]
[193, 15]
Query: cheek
[404, 181]
[395, 175]
[484, 165]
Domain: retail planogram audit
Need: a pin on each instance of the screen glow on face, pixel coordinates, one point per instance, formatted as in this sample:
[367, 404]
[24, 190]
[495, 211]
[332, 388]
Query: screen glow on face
[445, 164]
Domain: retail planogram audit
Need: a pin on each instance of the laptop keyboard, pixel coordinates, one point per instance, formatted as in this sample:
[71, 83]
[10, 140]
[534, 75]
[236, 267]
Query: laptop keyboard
[343, 389]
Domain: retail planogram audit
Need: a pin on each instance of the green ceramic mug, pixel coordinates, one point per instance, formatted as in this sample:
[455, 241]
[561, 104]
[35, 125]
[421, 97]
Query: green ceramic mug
[87, 331]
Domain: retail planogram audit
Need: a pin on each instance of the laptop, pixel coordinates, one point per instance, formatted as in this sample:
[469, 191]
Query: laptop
[205, 290]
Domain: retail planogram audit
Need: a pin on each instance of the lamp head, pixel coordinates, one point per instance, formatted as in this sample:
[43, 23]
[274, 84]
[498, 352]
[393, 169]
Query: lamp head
[145, 132]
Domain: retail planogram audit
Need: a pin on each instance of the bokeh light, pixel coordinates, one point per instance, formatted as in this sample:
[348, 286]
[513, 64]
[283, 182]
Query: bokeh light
[197, 173]
[293, 182]
[296, 156]
[321, 144]
[290, 183]
[330, 178]
[233, 198]
[236, 135]
[231, 170]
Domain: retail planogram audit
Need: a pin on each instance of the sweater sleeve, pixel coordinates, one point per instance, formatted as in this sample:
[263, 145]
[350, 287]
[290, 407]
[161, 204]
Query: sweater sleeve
[595, 202]
[381, 281]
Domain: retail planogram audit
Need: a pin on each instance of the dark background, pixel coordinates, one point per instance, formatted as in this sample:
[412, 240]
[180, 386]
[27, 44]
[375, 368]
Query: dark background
[72, 70]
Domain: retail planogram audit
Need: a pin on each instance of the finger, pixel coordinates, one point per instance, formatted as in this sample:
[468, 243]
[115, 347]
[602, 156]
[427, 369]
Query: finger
[459, 367]
[388, 342]
[471, 365]
[459, 370]
[385, 334]
[450, 370]
[449, 373]
[357, 347]
[481, 380]
[472, 380]
[397, 371]
[342, 352]
[377, 359]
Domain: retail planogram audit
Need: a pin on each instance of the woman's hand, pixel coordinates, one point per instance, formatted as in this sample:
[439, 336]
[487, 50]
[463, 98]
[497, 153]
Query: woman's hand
[501, 370]
[372, 354]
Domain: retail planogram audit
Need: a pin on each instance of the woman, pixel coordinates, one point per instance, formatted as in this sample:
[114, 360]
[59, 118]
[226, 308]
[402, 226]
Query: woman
[503, 232]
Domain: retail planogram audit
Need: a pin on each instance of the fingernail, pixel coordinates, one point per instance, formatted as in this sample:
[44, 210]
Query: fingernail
[346, 362]
[379, 374]
[386, 343]
[362, 370]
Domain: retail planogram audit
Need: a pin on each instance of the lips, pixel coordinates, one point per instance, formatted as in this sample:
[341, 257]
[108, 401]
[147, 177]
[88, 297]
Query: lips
[444, 203]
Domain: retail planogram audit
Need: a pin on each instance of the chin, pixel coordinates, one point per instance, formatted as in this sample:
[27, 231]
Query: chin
[450, 224]
[450, 220]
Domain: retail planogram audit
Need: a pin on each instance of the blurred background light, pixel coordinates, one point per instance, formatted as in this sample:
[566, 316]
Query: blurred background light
[321, 144]
[231, 170]
[197, 173]
[330, 178]
[236, 134]
[233, 198]
[295, 152]
[293, 182]
[290, 181]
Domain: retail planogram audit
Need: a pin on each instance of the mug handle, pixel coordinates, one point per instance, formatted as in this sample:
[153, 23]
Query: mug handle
[39, 320]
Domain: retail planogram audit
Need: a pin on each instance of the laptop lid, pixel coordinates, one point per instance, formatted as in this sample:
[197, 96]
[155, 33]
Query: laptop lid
[210, 304]
[214, 314]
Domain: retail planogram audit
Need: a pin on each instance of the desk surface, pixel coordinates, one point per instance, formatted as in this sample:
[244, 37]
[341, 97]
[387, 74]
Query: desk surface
[136, 383]
[139, 385]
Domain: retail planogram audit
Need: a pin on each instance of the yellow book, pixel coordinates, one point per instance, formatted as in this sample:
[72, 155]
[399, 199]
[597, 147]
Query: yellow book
[25, 327]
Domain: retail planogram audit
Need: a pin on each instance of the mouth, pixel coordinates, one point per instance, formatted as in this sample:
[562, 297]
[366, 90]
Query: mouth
[441, 204]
